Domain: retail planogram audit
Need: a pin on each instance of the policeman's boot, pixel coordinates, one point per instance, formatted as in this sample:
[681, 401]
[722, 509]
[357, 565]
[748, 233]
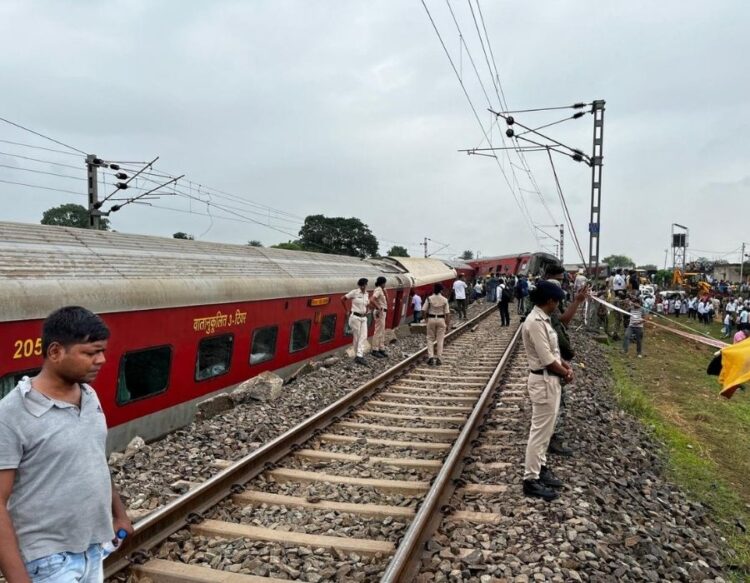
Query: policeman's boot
[360, 360]
[537, 489]
[438, 362]
[557, 446]
[431, 361]
[549, 479]
[383, 353]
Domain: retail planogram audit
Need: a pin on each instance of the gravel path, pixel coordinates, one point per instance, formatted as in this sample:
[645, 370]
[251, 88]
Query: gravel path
[618, 518]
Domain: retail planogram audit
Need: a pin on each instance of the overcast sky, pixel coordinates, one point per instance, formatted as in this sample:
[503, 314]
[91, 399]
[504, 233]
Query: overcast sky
[351, 108]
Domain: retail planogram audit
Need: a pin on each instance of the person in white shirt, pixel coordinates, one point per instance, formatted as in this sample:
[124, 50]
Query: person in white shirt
[677, 307]
[618, 282]
[379, 305]
[702, 312]
[459, 293]
[360, 300]
[416, 302]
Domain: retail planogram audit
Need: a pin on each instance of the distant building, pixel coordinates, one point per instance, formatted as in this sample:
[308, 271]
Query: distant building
[731, 272]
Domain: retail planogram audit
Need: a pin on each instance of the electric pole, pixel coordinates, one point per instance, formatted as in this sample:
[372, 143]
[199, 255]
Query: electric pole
[562, 247]
[742, 264]
[597, 157]
[425, 246]
[92, 164]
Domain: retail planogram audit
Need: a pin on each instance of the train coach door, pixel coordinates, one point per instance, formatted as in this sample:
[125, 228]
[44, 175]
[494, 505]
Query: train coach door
[397, 303]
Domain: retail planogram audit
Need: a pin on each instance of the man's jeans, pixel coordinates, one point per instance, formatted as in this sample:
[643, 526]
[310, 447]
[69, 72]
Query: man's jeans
[83, 567]
[637, 334]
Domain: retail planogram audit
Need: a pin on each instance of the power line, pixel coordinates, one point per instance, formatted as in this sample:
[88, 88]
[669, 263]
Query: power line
[41, 161]
[569, 220]
[41, 172]
[38, 147]
[479, 121]
[59, 143]
[42, 187]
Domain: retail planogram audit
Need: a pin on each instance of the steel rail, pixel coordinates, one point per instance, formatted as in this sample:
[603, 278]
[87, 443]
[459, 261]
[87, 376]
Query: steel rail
[188, 508]
[405, 563]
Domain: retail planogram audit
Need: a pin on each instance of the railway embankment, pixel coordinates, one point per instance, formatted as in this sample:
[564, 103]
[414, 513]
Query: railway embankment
[621, 516]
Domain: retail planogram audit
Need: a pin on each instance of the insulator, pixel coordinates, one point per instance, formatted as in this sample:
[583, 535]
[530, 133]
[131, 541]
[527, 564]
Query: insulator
[509, 120]
[97, 161]
[98, 205]
[121, 186]
[577, 157]
[578, 114]
[121, 176]
[510, 133]
[114, 166]
[577, 151]
[115, 208]
[579, 105]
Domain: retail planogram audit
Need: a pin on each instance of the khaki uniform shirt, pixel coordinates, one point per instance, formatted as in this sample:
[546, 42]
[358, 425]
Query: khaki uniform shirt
[380, 299]
[437, 305]
[539, 340]
[359, 300]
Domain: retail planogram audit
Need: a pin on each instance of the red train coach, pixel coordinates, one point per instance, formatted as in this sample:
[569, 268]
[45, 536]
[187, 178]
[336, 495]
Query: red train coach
[519, 264]
[188, 318]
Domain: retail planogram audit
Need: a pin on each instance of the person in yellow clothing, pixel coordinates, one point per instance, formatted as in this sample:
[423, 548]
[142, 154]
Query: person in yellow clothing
[546, 369]
[437, 314]
[379, 305]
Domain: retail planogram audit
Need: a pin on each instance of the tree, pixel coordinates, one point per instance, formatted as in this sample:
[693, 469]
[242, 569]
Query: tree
[619, 261]
[398, 251]
[467, 255]
[649, 267]
[254, 243]
[289, 246]
[71, 215]
[338, 235]
[181, 235]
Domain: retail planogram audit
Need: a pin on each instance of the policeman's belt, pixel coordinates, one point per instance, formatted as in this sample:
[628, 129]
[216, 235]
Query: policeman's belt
[359, 314]
[435, 315]
[538, 371]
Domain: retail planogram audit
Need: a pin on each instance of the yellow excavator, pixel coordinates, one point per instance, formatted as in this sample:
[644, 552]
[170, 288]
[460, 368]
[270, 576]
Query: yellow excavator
[691, 282]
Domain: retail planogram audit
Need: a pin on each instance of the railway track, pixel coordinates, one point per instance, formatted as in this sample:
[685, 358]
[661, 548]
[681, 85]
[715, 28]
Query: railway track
[351, 494]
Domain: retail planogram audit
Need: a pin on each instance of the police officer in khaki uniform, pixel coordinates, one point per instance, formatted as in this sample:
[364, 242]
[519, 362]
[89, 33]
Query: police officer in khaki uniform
[379, 304]
[360, 301]
[437, 313]
[546, 368]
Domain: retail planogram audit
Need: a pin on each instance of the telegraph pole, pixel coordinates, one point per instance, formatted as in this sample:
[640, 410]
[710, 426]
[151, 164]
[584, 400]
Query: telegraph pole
[425, 246]
[597, 157]
[562, 247]
[92, 164]
[742, 264]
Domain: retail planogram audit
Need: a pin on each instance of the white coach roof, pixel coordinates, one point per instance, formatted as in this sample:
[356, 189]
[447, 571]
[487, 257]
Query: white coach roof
[43, 268]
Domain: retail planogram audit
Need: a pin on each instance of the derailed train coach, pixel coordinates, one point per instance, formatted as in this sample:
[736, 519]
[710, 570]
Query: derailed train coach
[528, 264]
[188, 318]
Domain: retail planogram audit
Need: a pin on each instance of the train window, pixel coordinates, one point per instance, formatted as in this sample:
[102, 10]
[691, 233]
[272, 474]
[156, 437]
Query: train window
[214, 356]
[9, 382]
[327, 328]
[264, 344]
[143, 373]
[300, 335]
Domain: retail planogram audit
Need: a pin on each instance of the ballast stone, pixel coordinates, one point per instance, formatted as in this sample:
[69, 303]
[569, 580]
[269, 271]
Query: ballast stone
[214, 406]
[267, 386]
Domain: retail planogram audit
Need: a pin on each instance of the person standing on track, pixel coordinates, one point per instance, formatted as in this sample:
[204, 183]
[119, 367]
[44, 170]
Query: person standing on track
[360, 300]
[459, 292]
[57, 501]
[546, 368]
[379, 305]
[506, 296]
[437, 312]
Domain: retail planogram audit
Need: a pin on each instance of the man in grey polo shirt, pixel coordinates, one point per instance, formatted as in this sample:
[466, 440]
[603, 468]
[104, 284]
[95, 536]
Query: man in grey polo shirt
[57, 502]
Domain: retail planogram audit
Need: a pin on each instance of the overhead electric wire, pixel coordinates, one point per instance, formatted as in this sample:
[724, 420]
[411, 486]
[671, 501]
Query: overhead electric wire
[41, 161]
[568, 218]
[476, 115]
[58, 142]
[39, 148]
[41, 172]
[42, 187]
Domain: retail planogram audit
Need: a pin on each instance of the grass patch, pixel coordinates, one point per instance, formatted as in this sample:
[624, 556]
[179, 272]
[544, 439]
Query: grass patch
[706, 437]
